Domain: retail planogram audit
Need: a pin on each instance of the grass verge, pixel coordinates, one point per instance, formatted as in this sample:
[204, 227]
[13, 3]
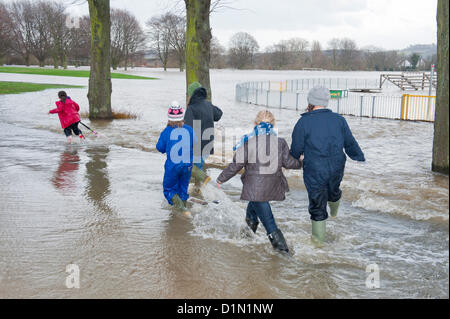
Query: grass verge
[120, 115]
[61, 72]
[22, 87]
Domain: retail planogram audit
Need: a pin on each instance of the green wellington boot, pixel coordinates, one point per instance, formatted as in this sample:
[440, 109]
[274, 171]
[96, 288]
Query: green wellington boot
[178, 203]
[318, 232]
[199, 176]
[181, 205]
[334, 208]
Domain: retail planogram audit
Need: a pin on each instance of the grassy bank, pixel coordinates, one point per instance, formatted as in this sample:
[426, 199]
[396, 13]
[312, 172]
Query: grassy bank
[22, 87]
[60, 72]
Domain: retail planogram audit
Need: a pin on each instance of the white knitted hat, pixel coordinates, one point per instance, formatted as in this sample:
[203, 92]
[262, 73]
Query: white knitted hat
[176, 112]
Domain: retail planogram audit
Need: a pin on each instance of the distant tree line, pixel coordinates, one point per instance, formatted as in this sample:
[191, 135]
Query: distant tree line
[298, 53]
[41, 32]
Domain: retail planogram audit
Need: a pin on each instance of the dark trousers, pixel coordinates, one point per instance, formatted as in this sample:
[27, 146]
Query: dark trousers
[263, 211]
[74, 127]
[320, 195]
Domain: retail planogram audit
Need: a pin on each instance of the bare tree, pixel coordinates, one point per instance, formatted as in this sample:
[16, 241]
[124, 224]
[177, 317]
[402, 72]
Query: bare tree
[218, 52]
[58, 30]
[80, 42]
[348, 54]
[21, 27]
[318, 59]
[5, 31]
[280, 55]
[243, 47]
[127, 37]
[298, 50]
[40, 36]
[159, 35]
[334, 46]
[177, 37]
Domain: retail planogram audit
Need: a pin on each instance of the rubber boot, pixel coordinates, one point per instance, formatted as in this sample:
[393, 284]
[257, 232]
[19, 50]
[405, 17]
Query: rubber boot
[199, 176]
[318, 232]
[178, 203]
[252, 224]
[181, 205]
[278, 242]
[334, 208]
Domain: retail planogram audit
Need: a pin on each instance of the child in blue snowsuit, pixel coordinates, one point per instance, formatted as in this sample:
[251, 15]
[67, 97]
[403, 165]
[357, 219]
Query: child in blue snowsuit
[321, 136]
[177, 142]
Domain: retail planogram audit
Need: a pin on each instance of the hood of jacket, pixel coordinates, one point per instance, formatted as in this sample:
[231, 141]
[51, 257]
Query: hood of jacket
[199, 95]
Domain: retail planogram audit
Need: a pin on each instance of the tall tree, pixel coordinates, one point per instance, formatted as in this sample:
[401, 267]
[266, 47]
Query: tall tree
[177, 37]
[243, 47]
[333, 46]
[159, 34]
[198, 43]
[100, 87]
[217, 54]
[127, 37]
[441, 139]
[414, 60]
[21, 28]
[5, 31]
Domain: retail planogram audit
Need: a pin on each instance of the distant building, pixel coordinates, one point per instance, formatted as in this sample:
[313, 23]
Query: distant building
[151, 59]
[404, 64]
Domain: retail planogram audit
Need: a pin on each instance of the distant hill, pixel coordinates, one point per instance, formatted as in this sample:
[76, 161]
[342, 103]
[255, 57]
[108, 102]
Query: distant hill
[425, 50]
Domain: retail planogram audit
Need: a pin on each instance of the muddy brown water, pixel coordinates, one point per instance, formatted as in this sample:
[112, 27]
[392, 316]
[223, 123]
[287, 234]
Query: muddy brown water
[99, 205]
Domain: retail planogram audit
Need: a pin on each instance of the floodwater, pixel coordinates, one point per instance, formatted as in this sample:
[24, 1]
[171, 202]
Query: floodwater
[99, 205]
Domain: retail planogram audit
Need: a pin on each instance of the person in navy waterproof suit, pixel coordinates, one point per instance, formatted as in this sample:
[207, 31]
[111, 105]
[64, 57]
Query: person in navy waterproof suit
[177, 142]
[321, 136]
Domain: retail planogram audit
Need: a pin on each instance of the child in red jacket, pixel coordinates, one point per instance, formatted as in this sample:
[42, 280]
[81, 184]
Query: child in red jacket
[68, 115]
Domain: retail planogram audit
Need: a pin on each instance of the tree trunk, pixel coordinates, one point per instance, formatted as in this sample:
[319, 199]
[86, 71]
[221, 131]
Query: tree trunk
[198, 43]
[100, 76]
[181, 65]
[441, 140]
[64, 61]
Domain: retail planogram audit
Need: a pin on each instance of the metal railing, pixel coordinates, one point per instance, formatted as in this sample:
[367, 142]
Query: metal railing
[401, 107]
[301, 85]
[418, 107]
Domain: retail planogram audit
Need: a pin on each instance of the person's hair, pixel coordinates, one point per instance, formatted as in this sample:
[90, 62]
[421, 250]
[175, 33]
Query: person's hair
[175, 124]
[62, 94]
[310, 108]
[265, 116]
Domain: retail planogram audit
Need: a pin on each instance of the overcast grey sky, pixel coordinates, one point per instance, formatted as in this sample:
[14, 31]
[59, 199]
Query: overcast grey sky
[389, 24]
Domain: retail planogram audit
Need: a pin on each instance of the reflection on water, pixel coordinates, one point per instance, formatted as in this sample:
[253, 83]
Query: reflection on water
[65, 176]
[98, 185]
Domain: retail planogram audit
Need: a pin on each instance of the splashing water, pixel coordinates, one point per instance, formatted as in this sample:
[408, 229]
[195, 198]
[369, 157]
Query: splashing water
[224, 221]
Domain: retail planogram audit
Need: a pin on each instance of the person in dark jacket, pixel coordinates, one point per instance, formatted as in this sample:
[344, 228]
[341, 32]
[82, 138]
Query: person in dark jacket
[320, 136]
[263, 155]
[201, 115]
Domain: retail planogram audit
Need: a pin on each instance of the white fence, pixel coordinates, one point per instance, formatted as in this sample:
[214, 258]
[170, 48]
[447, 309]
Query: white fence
[364, 105]
[307, 84]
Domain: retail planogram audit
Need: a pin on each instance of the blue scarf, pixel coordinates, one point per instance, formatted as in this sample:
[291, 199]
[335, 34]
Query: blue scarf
[262, 129]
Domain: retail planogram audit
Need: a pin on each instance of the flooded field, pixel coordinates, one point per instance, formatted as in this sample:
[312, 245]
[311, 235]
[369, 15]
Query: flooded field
[99, 205]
